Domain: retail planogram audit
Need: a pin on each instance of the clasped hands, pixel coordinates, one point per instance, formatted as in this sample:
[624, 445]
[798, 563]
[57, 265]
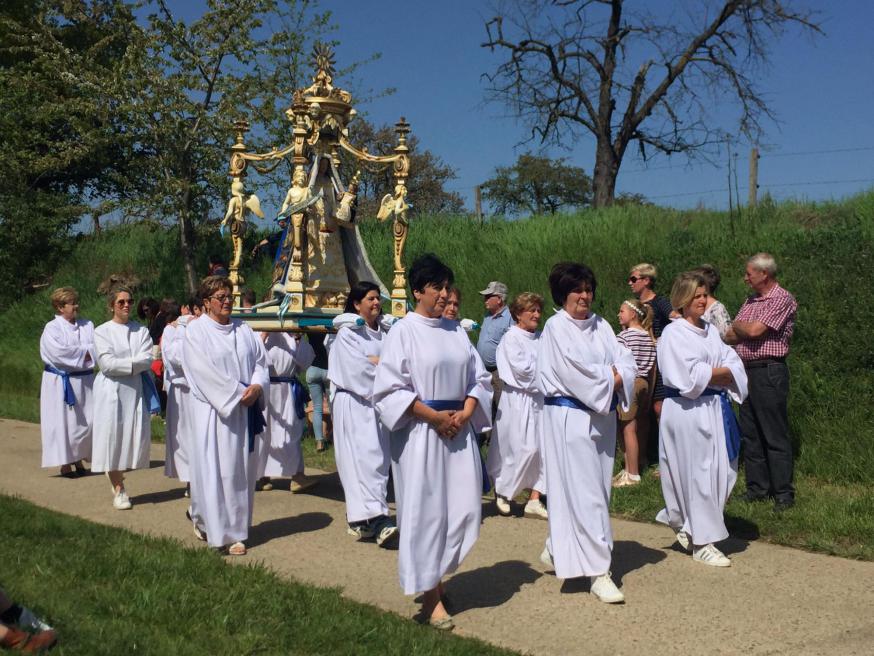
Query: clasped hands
[448, 423]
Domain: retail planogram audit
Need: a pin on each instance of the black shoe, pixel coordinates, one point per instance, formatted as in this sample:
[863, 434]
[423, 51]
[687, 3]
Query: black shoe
[782, 505]
[749, 497]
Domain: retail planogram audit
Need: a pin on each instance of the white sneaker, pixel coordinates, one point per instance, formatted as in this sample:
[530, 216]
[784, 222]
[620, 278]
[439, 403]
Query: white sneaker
[503, 505]
[121, 501]
[535, 508]
[626, 479]
[388, 537]
[710, 555]
[361, 532]
[619, 476]
[684, 541]
[546, 558]
[605, 590]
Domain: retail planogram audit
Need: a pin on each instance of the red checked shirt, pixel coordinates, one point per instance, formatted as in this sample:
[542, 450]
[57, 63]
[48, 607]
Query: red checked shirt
[776, 310]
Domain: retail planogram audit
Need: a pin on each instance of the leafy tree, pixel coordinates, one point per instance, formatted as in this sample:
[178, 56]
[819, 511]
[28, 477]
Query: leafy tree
[645, 77]
[537, 185]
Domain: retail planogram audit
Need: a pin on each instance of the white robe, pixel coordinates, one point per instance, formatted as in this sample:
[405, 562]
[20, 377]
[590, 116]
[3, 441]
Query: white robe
[438, 481]
[279, 447]
[66, 432]
[575, 359]
[361, 442]
[696, 475]
[514, 461]
[178, 430]
[220, 361]
[122, 429]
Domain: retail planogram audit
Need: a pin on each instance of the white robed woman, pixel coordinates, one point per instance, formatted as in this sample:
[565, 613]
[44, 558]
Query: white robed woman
[66, 395]
[433, 392]
[228, 372]
[178, 429]
[361, 442]
[699, 438]
[124, 396]
[584, 372]
[279, 449]
[514, 461]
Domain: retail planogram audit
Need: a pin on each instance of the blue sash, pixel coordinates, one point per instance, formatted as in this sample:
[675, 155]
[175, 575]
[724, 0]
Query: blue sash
[255, 422]
[150, 394]
[69, 395]
[729, 421]
[441, 405]
[300, 393]
[571, 402]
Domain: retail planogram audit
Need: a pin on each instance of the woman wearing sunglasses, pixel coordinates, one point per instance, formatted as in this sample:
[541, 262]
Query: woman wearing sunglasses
[124, 395]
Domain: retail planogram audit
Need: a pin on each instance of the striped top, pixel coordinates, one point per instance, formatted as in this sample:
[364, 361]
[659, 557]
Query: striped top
[642, 348]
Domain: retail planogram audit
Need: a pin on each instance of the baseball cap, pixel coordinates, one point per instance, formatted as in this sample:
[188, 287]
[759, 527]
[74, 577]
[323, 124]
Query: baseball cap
[495, 288]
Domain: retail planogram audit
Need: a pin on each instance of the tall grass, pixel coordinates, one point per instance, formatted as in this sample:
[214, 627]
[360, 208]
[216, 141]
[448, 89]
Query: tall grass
[825, 252]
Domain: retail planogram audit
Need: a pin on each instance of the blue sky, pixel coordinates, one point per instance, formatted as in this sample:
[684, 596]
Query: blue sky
[822, 90]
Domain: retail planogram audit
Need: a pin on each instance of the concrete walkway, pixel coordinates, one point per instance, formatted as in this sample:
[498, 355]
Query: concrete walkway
[773, 600]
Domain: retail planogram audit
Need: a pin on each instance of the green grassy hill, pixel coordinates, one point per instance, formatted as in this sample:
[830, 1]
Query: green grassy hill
[825, 253]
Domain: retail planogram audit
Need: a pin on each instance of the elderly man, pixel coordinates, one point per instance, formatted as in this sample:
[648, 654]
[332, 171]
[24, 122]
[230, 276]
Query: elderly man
[762, 331]
[495, 324]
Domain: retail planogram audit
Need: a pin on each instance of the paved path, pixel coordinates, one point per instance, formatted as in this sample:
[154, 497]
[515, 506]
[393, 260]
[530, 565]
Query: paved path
[773, 600]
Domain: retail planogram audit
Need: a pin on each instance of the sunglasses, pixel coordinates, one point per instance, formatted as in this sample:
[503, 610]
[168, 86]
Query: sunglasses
[222, 298]
[121, 302]
[634, 279]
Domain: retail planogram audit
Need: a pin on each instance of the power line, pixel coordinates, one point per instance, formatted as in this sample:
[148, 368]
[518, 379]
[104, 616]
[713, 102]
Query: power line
[818, 152]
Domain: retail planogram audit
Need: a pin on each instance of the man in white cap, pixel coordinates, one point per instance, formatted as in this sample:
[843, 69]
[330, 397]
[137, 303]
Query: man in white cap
[495, 324]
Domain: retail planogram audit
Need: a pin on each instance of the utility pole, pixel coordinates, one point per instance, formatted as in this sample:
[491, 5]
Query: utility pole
[478, 201]
[754, 176]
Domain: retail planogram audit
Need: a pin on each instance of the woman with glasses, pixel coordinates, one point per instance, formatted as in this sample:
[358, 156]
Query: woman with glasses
[228, 374]
[66, 400]
[124, 395]
[433, 392]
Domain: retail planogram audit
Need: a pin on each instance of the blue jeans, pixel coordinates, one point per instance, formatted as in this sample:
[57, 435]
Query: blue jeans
[317, 381]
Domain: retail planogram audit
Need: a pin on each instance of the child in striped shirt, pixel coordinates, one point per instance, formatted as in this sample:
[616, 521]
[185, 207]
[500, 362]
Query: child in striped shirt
[636, 335]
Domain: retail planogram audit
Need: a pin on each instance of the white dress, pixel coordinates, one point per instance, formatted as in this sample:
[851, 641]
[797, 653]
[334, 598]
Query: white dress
[696, 475]
[220, 361]
[438, 481]
[514, 460]
[66, 431]
[361, 442]
[575, 359]
[279, 447]
[178, 430]
[122, 430]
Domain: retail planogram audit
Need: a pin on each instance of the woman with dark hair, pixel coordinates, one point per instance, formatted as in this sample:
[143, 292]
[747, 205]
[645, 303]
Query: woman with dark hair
[583, 373]
[124, 395]
[434, 394]
[66, 400]
[227, 370]
[361, 443]
[715, 313]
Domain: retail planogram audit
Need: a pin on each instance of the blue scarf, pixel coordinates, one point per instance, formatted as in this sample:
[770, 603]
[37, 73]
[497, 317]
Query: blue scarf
[300, 393]
[255, 422]
[150, 393]
[69, 395]
[729, 421]
[571, 402]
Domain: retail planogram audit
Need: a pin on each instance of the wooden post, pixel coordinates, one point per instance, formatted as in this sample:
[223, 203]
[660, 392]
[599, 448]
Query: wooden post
[478, 200]
[754, 176]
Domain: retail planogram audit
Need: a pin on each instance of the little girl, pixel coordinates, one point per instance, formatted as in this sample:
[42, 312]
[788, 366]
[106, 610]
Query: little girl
[636, 321]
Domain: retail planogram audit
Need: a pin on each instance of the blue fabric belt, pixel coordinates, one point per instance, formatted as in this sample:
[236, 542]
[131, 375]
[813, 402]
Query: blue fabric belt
[571, 402]
[150, 394]
[69, 395]
[255, 421]
[300, 393]
[729, 421]
[441, 405]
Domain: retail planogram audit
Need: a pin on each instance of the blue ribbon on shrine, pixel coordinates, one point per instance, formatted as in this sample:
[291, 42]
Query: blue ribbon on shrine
[440, 406]
[255, 422]
[299, 393]
[150, 393]
[69, 395]
[729, 421]
[572, 402]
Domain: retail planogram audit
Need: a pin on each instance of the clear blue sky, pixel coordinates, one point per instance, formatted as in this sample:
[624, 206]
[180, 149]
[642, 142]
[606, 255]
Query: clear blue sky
[822, 90]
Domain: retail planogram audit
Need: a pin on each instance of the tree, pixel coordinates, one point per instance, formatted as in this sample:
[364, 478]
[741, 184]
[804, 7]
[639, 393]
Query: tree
[537, 185]
[428, 173]
[635, 77]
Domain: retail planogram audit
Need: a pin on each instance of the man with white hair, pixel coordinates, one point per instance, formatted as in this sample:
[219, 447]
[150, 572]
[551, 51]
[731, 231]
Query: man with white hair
[495, 324]
[762, 331]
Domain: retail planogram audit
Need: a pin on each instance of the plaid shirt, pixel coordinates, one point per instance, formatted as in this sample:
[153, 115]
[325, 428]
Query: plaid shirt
[776, 310]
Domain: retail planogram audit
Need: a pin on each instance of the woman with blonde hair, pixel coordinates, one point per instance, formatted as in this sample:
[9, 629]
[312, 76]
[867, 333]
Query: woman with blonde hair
[66, 396]
[700, 439]
[514, 461]
[124, 396]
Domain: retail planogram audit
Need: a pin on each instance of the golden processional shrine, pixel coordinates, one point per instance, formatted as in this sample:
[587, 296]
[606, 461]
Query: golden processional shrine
[321, 253]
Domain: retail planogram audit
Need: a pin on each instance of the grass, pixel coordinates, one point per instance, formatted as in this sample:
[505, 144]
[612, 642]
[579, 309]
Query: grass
[143, 595]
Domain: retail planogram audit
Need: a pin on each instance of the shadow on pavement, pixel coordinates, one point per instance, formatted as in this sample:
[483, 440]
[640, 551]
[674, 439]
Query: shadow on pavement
[281, 527]
[487, 587]
[328, 487]
[628, 556]
[159, 497]
[741, 528]
[154, 464]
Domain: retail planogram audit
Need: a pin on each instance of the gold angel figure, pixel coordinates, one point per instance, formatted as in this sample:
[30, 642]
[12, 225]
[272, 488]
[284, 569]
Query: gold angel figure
[238, 206]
